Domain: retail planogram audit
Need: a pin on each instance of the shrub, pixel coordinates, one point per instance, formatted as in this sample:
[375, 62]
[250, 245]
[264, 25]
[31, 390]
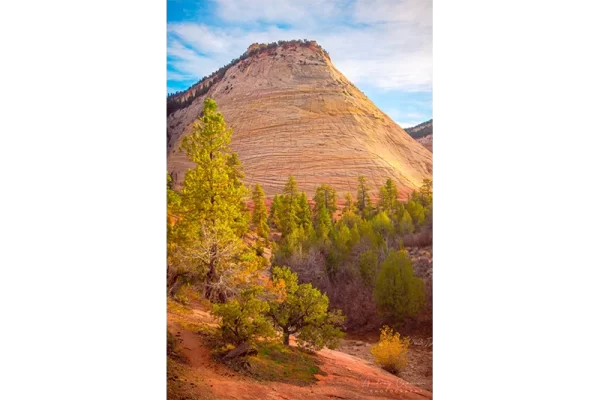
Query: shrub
[391, 350]
[185, 293]
[260, 250]
[398, 293]
[171, 343]
[242, 318]
[368, 266]
[423, 238]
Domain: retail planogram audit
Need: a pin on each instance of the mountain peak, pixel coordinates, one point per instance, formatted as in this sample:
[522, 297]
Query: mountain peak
[286, 44]
[293, 113]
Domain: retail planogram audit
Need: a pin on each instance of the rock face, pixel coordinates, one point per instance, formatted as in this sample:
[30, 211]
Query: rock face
[426, 141]
[293, 112]
[423, 133]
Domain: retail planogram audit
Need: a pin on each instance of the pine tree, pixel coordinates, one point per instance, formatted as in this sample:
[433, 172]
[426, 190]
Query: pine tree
[289, 208]
[354, 234]
[368, 266]
[342, 238]
[323, 224]
[405, 225]
[382, 224]
[426, 193]
[304, 212]
[363, 200]
[388, 196]
[259, 215]
[416, 211]
[275, 212]
[325, 197]
[236, 175]
[212, 195]
[349, 205]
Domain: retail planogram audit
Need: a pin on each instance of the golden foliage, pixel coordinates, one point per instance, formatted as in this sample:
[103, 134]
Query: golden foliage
[391, 350]
[275, 290]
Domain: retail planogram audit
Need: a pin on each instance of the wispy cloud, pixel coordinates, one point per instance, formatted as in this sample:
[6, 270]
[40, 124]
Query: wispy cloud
[385, 44]
[408, 124]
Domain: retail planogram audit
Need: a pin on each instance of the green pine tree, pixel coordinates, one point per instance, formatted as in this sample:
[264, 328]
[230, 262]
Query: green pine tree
[349, 205]
[289, 208]
[388, 196]
[323, 225]
[212, 196]
[416, 211]
[325, 197]
[405, 225]
[363, 199]
[304, 212]
[275, 213]
[259, 215]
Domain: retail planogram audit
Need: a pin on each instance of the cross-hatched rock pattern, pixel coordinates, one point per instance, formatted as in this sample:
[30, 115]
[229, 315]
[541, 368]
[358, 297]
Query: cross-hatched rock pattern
[293, 113]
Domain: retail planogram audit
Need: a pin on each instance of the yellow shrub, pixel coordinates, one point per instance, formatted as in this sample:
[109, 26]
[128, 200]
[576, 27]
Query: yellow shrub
[186, 293]
[391, 350]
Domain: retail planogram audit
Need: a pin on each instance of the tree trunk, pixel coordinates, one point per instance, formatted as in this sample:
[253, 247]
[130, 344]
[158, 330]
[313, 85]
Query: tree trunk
[175, 286]
[211, 275]
[286, 337]
[241, 351]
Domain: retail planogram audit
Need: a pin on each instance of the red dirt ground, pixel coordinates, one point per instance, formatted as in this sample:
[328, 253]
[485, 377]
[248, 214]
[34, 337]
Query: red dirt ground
[348, 377]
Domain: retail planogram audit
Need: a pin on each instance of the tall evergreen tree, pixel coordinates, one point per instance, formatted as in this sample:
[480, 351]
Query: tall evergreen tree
[405, 224]
[325, 197]
[416, 211]
[304, 213]
[275, 212]
[388, 196]
[349, 206]
[290, 209]
[363, 200]
[323, 224]
[259, 215]
[212, 195]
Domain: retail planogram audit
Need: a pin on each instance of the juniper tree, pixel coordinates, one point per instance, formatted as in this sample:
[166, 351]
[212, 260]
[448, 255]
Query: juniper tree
[303, 310]
[398, 293]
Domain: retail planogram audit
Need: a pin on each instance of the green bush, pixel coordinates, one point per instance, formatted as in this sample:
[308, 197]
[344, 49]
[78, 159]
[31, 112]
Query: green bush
[398, 293]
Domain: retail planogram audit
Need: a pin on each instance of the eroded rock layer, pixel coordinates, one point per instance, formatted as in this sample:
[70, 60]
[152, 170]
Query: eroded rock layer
[293, 112]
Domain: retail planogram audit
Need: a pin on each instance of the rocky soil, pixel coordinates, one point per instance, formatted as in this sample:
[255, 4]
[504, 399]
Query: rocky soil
[196, 375]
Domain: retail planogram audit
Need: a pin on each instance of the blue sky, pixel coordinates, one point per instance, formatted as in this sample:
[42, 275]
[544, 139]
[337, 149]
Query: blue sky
[383, 46]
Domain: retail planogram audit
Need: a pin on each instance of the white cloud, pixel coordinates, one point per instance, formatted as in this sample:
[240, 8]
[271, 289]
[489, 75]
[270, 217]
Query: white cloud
[279, 11]
[418, 12]
[416, 116]
[409, 124]
[385, 44]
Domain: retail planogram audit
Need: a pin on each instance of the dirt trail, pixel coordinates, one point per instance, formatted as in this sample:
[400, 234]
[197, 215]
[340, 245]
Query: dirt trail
[348, 377]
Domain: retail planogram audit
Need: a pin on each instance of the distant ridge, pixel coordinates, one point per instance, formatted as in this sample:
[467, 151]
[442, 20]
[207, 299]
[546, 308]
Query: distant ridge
[423, 129]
